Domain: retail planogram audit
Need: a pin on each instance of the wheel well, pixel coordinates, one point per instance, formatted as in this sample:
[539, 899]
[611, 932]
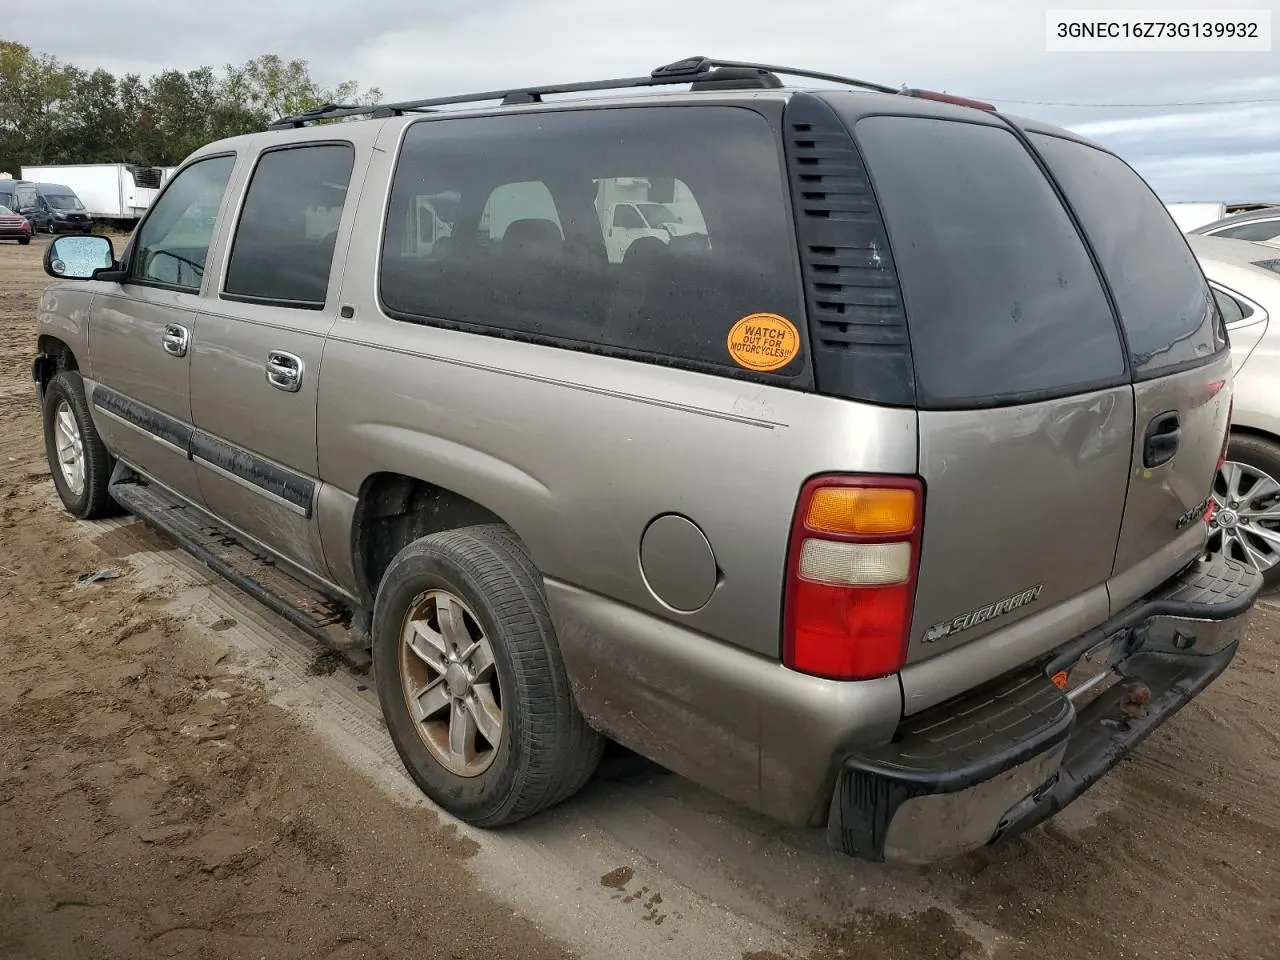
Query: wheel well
[394, 510]
[53, 356]
[1253, 432]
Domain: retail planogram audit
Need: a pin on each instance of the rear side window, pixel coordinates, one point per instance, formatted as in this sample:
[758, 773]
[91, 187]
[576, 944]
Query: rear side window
[1165, 307]
[530, 244]
[284, 243]
[1232, 310]
[1002, 300]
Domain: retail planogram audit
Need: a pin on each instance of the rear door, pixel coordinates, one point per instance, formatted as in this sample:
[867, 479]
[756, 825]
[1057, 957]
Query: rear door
[256, 361]
[1026, 412]
[1178, 353]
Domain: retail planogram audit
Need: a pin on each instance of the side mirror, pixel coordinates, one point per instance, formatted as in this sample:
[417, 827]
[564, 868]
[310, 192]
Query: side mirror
[78, 257]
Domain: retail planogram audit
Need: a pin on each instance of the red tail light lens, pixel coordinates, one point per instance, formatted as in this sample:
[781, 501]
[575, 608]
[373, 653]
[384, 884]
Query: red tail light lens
[851, 576]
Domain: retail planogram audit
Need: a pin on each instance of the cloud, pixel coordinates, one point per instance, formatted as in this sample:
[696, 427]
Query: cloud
[982, 48]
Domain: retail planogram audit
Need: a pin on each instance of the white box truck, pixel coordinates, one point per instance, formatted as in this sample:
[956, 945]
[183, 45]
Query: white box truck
[110, 191]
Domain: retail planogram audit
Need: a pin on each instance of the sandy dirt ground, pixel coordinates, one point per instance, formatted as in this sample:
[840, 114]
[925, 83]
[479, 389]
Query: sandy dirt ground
[181, 774]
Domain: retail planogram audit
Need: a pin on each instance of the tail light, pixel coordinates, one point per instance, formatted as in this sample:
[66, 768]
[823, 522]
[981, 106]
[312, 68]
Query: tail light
[851, 576]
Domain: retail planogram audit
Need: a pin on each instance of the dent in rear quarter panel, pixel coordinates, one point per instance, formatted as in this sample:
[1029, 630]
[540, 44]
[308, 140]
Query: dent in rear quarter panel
[64, 313]
[1016, 498]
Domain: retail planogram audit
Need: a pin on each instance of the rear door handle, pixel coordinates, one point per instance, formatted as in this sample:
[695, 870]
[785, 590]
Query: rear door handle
[176, 339]
[1161, 442]
[284, 371]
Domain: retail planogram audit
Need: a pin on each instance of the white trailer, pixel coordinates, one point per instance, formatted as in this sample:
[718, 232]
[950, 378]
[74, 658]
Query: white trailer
[1188, 214]
[110, 191]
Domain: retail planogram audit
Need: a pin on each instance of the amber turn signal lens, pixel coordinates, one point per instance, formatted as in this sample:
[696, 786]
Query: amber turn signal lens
[865, 511]
[1059, 679]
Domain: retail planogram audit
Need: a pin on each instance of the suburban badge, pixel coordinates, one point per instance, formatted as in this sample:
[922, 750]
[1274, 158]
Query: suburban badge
[981, 615]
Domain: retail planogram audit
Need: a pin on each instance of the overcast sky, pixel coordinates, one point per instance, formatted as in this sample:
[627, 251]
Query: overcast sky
[992, 49]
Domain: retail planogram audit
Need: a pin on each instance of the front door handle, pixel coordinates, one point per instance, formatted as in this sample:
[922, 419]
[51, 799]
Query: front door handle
[1161, 442]
[176, 339]
[284, 371]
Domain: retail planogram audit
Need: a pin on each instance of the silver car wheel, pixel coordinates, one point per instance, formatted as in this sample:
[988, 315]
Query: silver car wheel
[1246, 520]
[70, 448]
[450, 683]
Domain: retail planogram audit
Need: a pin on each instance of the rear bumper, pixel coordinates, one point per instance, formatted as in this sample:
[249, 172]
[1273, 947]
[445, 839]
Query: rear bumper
[1005, 757]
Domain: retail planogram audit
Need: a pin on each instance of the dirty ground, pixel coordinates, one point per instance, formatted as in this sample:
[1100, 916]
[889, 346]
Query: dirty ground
[182, 774]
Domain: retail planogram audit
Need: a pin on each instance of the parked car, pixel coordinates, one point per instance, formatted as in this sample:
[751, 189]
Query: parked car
[52, 208]
[1245, 279]
[14, 226]
[1262, 226]
[882, 510]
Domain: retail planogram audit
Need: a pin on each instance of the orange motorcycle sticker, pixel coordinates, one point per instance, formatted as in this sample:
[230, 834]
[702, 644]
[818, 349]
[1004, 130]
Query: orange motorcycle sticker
[763, 342]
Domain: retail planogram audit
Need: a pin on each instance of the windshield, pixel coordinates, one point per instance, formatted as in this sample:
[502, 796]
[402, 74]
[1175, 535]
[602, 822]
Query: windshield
[64, 201]
[656, 214]
[5, 211]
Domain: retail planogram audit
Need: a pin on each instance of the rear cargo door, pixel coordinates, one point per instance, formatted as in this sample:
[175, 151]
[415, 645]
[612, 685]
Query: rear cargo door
[1178, 353]
[1026, 415]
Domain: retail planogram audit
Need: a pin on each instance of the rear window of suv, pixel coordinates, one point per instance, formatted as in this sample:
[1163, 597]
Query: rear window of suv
[1165, 306]
[527, 247]
[1002, 300]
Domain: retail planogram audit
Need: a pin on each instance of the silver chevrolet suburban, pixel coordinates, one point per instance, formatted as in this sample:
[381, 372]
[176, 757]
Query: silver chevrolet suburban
[865, 481]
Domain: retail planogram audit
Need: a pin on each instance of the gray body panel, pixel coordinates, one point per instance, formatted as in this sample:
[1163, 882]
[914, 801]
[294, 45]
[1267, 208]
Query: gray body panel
[1160, 495]
[1019, 497]
[125, 341]
[232, 400]
[64, 314]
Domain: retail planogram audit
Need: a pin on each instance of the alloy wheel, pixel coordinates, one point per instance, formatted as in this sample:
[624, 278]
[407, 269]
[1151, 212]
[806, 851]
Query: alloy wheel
[1246, 521]
[450, 683]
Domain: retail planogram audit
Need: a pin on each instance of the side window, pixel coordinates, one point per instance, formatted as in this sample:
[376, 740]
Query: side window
[627, 217]
[1259, 231]
[1160, 289]
[1232, 310]
[1001, 297]
[283, 249]
[540, 193]
[173, 241]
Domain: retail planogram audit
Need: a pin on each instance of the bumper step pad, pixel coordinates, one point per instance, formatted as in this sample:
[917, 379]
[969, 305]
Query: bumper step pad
[1174, 644]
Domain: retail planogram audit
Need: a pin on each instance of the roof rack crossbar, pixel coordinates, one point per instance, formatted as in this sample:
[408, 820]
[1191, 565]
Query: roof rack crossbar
[689, 70]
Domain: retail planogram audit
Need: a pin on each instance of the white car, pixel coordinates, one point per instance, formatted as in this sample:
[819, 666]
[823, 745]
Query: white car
[1261, 226]
[1245, 278]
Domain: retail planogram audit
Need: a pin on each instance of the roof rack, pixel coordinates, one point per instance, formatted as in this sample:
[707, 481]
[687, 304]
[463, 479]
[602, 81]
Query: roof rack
[702, 73]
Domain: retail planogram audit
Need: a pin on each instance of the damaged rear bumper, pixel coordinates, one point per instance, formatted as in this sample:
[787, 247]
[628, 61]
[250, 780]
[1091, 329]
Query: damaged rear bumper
[1005, 757]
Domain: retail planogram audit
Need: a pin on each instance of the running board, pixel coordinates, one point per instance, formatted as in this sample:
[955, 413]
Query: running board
[245, 565]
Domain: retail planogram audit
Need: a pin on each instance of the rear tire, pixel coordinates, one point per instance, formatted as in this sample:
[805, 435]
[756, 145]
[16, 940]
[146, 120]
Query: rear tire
[78, 460]
[507, 659]
[1250, 479]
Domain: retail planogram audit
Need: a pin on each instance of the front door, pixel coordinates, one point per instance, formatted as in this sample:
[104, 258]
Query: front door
[258, 348]
[141, 330]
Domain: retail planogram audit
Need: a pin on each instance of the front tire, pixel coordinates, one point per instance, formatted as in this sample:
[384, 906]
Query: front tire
[1246, 521]
[23, 241]
[78, 460]
[471, 682]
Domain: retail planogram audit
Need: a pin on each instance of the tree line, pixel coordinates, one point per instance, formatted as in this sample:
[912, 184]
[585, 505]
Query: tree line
[54, 112]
